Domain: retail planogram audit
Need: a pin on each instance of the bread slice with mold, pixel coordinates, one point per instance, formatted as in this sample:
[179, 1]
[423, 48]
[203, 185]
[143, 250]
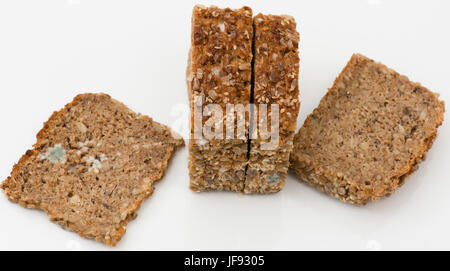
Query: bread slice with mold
[93, 164]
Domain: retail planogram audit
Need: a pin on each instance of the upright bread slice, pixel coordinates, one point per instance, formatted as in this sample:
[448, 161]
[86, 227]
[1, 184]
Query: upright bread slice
[275, 68]
[92, 165]
[369, 132]
[219, 74]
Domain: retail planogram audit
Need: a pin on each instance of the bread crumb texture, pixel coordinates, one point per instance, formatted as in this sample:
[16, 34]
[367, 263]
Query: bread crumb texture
[92, 165]
[368, 133]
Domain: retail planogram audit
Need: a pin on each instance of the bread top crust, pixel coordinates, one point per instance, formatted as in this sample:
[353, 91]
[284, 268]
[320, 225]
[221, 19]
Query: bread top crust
[370, 129]
[219, 66]
[92, 165]
[276, 67]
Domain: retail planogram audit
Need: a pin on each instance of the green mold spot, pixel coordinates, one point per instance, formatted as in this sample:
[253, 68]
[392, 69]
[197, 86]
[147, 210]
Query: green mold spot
[57, 154]
[274, 178]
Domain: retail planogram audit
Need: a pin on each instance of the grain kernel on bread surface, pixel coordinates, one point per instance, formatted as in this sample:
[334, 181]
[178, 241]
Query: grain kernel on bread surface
[93, 164]
[368, 133]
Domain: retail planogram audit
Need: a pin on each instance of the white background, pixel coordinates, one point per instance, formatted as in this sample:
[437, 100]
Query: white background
[136, 51]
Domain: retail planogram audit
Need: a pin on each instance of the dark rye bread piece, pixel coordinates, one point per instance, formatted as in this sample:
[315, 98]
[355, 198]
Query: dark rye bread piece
[369, 132]
[275, 68]
[92, 165]
[218, 74]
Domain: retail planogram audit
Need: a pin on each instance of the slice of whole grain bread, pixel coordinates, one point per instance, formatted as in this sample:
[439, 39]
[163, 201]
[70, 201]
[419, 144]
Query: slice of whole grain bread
[275, 69]
[92, 165]
[368, 133]
[219, 74]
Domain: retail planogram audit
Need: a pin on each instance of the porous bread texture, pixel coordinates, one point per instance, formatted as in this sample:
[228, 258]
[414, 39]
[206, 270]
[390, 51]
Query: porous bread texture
[219, 73]
[92, 165]
[275, 69]
[368, 133]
